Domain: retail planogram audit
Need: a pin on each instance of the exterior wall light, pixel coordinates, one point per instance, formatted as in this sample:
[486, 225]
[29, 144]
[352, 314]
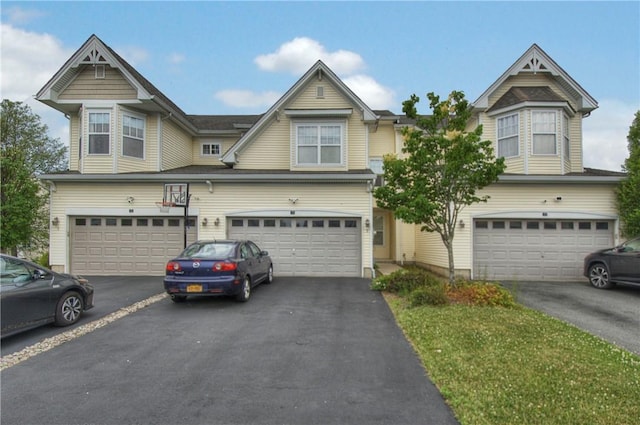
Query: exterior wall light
[205, 221]
[55, 221]
[216, 222]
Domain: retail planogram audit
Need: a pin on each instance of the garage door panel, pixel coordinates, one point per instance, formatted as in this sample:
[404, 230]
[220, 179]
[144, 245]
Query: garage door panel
[542, 250]
[309, 246]
[125, 246]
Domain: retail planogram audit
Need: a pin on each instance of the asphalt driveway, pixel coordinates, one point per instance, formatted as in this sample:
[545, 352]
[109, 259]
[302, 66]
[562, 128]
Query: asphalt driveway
[613, 315]
[301, 351]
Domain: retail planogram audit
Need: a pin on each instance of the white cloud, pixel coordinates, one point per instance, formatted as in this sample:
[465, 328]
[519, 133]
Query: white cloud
[605, 135]
[29, 60]
[298, 55]
[248, 98]
[375, 95]
[17, 15]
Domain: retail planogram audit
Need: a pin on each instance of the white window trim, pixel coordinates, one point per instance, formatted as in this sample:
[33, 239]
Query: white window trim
[533, 133]
[566, 137]
[517, 135]
[89, 133]
[211, 144]
[144, 135]
[320, 123]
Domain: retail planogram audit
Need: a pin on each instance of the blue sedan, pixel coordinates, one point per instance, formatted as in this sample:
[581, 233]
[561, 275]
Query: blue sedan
[218, 268]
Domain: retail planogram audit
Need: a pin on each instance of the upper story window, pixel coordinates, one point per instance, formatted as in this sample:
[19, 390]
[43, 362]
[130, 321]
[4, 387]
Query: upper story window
[377, 166]
[210, 149]
[543, 127]
[319, 143]
[132, 136]
[99, 133]
[508, 136]
[565, 136]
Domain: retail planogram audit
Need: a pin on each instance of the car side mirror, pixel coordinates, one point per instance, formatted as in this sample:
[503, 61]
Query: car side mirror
[264, 253]
[39, 274]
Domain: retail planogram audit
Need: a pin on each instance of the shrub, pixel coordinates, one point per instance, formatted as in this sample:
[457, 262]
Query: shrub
[481, 293]
[429, 295]
[405, 281]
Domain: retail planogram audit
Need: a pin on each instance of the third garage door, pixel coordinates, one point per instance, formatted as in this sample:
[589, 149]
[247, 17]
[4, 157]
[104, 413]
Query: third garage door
[545, 250]
[305, 246]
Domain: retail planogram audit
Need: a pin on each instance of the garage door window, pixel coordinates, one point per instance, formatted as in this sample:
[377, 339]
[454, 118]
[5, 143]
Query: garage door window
[550, 225]
[269, 223]
[96, 222]
[584, 225]
[142, 222]
[173, 222]
[533, 225]
[567, 225]
[318, 223]
[158, 222]
[334, 223]
[482, 224]
[285, 222]
[252, 222]
[515, 225]
[498, 225]
[302, 223]
[111, 221]
[602, 225]
[126, 222]
[350, 223]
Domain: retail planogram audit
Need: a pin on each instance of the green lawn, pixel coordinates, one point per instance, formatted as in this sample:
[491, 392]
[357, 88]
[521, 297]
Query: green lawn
[498, 365]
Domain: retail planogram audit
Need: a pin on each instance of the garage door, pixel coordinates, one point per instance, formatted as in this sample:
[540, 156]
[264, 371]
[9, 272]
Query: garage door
[550, 250]
[305, 246]
[126, 245]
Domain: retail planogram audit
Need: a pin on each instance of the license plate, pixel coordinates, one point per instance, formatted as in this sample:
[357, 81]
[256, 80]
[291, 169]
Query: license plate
[194, 288]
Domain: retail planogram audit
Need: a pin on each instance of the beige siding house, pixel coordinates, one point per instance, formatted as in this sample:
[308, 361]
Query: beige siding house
[298, 179]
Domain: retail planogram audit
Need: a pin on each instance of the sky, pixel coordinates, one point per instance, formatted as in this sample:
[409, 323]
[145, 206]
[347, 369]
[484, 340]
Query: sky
[236, 57]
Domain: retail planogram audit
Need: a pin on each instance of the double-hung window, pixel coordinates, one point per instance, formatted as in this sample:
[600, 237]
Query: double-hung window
[99, 133]
[210, 149]
[132, 136]
[319, 143]
[508, 140]
[543, 127]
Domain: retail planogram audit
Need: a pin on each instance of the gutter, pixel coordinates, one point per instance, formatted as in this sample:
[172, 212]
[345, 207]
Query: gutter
[567, 179]
[199, 178]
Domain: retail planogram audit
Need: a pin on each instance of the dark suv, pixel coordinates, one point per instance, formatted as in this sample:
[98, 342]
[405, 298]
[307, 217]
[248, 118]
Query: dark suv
[621, 264]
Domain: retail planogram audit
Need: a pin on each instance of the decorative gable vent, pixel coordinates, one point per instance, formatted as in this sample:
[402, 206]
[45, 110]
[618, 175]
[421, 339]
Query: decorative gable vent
[93, 57]
[535, 65]
[320, 92]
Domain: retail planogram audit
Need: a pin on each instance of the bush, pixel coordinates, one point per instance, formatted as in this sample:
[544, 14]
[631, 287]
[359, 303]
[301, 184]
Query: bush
[42, 260]
[481, 294]
[405, 281]
[429, 295]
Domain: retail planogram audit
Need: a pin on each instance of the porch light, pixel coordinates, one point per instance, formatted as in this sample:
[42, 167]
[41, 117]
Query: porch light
[55, 221]
[216, 222]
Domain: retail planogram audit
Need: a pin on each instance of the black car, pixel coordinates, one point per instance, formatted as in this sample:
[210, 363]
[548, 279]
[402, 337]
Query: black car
[621, 264]
[214, 268]
[33, 296]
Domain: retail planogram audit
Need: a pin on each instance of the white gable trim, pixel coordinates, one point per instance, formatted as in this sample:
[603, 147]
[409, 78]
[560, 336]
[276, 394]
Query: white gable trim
[320, 71]
[533, 61]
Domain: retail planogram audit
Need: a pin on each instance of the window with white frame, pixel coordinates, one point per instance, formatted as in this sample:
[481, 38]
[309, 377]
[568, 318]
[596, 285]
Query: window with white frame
[319, 143]
[543, 126]
[99, 133]
[210, 149]
[508, 136]
[377, 166]
[132, 136]
[565, 136]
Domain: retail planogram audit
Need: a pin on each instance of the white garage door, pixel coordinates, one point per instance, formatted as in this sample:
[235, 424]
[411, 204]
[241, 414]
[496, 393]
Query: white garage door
[545, 250]
[305, 246]
[126, 245]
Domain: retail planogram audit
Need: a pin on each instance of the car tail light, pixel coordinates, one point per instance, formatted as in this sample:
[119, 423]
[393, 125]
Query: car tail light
[225, 266]
[173, 266]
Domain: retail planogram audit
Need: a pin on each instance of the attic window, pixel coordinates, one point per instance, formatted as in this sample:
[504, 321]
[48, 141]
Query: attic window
[320, 92]
[100, 72]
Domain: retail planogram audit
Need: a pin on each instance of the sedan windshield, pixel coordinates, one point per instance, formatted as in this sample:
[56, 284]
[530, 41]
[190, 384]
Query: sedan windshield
[209, 250]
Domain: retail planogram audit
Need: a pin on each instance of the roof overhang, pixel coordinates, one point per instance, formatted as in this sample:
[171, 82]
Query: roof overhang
[566, 179]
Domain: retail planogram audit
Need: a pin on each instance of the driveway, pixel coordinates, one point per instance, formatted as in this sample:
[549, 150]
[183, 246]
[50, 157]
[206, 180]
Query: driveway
[301, 351]
[613, 315]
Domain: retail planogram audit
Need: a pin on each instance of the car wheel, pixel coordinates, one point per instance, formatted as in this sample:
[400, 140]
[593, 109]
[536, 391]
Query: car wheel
[269, 278]
[178, 298]
[245, 292]
[599, 276]
[69, 309]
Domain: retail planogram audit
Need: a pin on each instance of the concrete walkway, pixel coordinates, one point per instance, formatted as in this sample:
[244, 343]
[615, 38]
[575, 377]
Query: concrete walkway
[387, 268]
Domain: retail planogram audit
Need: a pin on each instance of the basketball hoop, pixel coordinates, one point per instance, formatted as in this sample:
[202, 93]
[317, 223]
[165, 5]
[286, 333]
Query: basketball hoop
[165, 206]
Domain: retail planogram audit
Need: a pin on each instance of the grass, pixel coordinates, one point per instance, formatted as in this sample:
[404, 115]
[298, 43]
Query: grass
[497, 365]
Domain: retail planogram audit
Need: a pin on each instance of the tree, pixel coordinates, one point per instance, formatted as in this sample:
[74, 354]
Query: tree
[26, 151]
[628, 193]
[443, 168]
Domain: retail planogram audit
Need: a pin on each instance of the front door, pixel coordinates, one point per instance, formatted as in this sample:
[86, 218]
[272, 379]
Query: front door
[381, 239]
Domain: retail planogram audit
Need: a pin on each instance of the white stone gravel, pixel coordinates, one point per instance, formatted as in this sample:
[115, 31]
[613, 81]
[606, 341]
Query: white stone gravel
[49, 343]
